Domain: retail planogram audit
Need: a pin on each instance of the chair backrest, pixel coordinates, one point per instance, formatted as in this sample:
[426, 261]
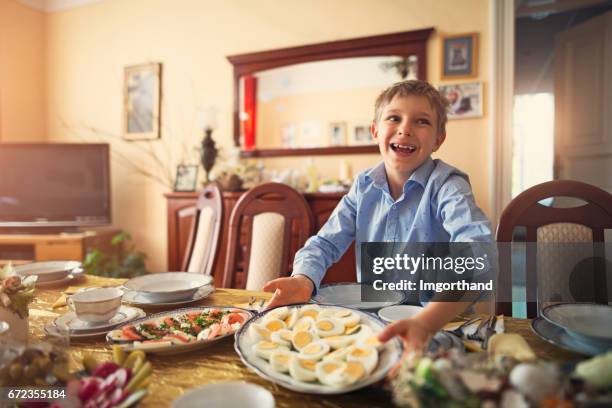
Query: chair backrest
[540, 220]
[205, 233]
[268, 213]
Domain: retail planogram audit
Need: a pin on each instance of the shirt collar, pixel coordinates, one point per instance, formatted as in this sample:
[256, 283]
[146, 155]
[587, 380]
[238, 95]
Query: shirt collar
[421, 175]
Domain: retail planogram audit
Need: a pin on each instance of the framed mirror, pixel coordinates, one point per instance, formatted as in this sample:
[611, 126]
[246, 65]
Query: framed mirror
[319, 99]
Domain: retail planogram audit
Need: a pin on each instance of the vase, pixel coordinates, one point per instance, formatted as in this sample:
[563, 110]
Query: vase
[18, 326]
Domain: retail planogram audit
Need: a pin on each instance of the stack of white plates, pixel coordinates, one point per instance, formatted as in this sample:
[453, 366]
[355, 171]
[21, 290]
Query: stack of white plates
[51, 273]
[167, 289]
[585, 328]
[76, 328]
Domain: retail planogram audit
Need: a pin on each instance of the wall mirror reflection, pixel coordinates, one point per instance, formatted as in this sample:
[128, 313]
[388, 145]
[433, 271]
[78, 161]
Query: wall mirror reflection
[321, 104]
[318, 99]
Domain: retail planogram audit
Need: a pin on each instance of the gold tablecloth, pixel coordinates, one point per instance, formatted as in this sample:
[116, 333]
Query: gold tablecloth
[173, 375]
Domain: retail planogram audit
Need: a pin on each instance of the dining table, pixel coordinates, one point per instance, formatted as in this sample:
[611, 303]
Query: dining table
[174, 375]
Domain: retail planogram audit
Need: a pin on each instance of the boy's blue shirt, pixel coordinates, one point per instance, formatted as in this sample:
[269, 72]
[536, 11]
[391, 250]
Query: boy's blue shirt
[437, 205]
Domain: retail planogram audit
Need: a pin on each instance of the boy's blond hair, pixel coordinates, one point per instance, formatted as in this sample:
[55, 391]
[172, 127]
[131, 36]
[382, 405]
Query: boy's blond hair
[416, 88]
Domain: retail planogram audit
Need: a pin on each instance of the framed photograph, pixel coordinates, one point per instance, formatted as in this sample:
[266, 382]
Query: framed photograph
[460, 56]
[289, 135]
[141, 102]
[337, 134]
[186, 177]
[465, 100]
[361, 135]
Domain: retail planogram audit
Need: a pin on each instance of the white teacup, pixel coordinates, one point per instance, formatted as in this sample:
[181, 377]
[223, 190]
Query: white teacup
[96, 305]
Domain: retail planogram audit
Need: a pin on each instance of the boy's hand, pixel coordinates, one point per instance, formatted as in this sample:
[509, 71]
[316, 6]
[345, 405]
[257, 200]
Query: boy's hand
[296, 289]
[413, 333]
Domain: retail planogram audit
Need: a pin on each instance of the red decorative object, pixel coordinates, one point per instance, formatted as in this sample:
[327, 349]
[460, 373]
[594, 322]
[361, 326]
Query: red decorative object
[249, 120]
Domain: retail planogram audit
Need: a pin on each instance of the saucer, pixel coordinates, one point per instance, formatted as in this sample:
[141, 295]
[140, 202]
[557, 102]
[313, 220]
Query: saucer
[124, 314]
[139, 299]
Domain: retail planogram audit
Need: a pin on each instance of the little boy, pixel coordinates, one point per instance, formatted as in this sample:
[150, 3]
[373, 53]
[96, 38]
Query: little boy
[407, 198]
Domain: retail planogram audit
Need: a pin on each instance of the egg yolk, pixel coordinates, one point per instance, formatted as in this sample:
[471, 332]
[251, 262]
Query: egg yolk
[311, 313]
[302, 338]
[307, 364]
[312, 349]
[266, 345]
[304, 325]
[325, 325]
[360, 352]
[274, 325]
[354, 370]
[372, 341]
[263, 332]
[286, 335]
[351, 330]
[281, 359]
[330, 367]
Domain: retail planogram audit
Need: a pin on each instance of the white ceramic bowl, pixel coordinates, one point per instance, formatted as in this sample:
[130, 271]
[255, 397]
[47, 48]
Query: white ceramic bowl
[398, 312]
[96, 305]
[47, 271]
[168, 286]
[226, 395]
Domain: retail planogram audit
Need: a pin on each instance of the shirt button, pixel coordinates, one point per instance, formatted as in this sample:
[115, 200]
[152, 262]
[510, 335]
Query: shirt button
[393, 207]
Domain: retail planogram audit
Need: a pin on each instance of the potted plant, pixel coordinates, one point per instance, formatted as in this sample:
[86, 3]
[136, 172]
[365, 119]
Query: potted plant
[123, 262]
[16, 293]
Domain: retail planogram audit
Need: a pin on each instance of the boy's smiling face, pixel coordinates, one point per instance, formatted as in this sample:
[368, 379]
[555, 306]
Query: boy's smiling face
[407, 134]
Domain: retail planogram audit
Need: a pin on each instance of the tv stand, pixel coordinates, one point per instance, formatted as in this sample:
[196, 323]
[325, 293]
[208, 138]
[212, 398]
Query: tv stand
[66, 245]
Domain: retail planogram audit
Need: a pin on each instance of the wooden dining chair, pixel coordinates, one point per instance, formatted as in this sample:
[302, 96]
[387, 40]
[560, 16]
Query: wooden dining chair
[266, 220]
[583, 223]
[205, 233]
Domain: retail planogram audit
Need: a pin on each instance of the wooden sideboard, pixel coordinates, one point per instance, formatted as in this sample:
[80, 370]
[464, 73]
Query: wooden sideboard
[20, 248]
[181, 209]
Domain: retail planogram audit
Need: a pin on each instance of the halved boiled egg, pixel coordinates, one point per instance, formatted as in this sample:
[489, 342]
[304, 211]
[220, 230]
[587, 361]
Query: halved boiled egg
[348, 317]
[258, 332]
[278, 313]
[339, 355]
[330, 372]
[264, 349]
[368, 356]
[274, 325]
[302, 370]
[338, 342]
[310, 311]
[329, 326]
[315, 350]
[281, 359]
[302, 338]
[292, 317]
[304, 323]
[282, 337]
[371, 342]
[353, 371]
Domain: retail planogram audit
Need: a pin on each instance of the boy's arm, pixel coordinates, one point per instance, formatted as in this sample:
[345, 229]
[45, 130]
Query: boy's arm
[318, 254]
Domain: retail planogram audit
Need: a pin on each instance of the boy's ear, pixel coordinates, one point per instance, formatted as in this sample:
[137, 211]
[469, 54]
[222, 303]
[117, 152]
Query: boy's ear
[441, 138]
[374, 130]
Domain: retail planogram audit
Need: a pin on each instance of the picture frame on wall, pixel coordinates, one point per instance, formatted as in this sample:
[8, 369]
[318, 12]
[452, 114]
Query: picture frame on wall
[142, 102]
[465, 100]
[361, 135]
[186, 177]
[460, 56]
[337, 134]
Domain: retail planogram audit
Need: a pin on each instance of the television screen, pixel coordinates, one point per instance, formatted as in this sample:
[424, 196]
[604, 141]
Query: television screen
[54, 184]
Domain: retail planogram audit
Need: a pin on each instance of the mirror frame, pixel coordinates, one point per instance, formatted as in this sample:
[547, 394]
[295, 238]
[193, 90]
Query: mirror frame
[400, 44]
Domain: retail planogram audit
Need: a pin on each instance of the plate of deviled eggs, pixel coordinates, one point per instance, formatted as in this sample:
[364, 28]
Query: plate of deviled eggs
[318, 349]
